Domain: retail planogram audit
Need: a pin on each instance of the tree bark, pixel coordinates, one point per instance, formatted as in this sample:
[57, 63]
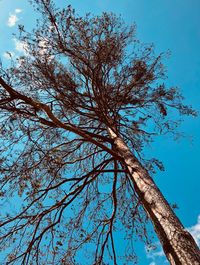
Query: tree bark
[178, 245]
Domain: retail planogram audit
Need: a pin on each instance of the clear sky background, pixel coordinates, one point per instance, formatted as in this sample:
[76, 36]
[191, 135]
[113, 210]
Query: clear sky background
[171, 25]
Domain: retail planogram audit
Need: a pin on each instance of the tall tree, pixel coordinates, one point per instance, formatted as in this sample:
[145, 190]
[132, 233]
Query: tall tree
[76, 112]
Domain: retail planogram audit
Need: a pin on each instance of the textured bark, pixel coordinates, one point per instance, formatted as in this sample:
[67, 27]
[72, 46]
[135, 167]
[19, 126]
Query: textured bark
[178, 245]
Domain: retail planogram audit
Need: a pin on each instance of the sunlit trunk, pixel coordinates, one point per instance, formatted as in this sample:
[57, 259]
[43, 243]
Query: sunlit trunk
[178, 245]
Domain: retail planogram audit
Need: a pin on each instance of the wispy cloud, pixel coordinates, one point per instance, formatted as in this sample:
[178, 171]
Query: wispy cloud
[20, 46]
[20, 49]
[13, 18]
[18, 10]
[155, 252]
[152, 263]
[195, 231]
[8, 55]
[44, 49]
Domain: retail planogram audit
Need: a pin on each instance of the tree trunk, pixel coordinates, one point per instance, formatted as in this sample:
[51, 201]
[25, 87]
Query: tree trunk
[178, 245]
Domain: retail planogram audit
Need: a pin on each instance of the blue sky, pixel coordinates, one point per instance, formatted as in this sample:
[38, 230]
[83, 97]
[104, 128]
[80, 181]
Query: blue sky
[171, 25]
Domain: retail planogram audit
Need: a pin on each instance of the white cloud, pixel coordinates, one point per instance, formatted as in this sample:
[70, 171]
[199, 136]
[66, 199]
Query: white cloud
[195, 231]
[20, 46]
[152, 263]
[18, 10]
[44, 49]
[9, 55]
[155, 252]
[12, 20]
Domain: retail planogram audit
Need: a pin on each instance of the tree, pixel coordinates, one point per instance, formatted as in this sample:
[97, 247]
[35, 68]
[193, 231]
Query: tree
[76, 113]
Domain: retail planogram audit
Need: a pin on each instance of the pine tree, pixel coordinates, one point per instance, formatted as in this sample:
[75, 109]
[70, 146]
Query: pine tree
[76, 113]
